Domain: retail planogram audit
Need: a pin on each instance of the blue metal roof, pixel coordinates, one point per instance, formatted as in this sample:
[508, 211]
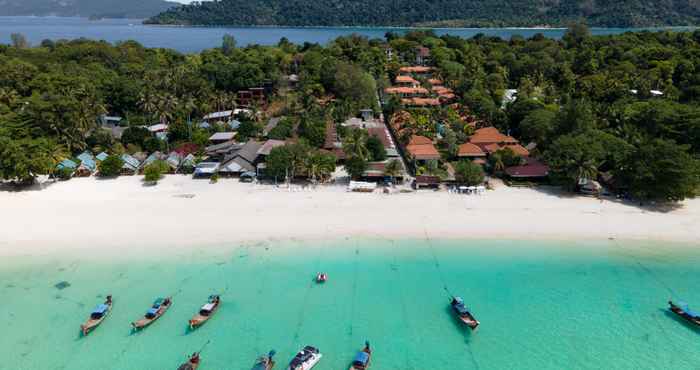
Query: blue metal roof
[67, 163]
[102, 156]
[88, 160]
[130, 162]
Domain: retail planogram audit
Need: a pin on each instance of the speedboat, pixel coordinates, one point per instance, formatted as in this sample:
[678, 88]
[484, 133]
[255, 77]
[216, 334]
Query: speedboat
[158, 309]
[463, 314]
[321, 277]
[305, 359]
[685, 312]
[264, 362]
[206, 312]
[361, 361]
[97, 316]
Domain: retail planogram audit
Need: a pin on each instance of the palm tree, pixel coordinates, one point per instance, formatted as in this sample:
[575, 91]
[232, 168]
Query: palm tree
[355, 144]
[148, 102]
[54, 153]
[392, 169]
[582, 169]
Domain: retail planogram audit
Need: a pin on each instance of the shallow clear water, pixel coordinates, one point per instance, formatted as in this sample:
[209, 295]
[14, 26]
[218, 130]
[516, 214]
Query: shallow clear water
[542, 306]
[193, 39]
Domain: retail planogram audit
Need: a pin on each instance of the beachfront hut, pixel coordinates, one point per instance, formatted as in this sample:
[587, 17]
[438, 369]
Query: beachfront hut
[206, 169]
[67, 164]
[188, 164]
[221, 137]
[244, 160]
[530, 170]
[101, 157]
[174, 160]
[131, 165]
[87, 166]
[155, 156]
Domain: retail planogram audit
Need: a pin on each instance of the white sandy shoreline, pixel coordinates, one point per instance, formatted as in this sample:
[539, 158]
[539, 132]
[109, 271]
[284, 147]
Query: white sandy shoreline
[123, 216]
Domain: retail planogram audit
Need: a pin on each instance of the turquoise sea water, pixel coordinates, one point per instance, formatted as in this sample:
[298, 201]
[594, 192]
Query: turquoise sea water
[542, 305]
[194, 39]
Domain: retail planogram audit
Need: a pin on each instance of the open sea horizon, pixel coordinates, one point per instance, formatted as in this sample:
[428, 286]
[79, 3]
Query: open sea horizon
[542, 305]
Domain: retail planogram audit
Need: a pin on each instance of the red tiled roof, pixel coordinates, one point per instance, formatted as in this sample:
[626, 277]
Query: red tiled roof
[434, 81]
[532, 168]
[420, 140]
[490, 135]
[470, 150]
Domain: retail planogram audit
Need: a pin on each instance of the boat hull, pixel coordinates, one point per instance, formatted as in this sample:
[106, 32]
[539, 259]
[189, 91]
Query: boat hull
[144, 322]
[309, 364]
[199, 320]
[684, 315]
[91, 324]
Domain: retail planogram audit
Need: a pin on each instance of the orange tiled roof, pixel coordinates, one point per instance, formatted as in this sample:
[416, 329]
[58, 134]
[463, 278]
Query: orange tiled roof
[519, 150]
[470, 150]
[415, 69]
[420, 140]
[405, 79]
[490, 135]
[422, 148]
[405, 90]
[434, 81]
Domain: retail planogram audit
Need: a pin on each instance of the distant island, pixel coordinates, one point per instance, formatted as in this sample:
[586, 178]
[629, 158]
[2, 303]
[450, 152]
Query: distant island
[95, 9]
[438, 13]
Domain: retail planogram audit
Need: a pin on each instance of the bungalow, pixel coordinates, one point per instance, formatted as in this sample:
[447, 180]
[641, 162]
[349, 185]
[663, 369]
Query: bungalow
[131, 165]
[420, 148]
[102, 156]
[155, 156]
[221, 137]
[490, 140]
[406, 81]
[421, 102]
[470, 151]
[173, 160]
[224, 116]
[532, 169]
[223, 149]
[406, 92]
[110, 121]
[87, 165]
[422, 55]
[245, 160]
[188, 164]
[67, 164]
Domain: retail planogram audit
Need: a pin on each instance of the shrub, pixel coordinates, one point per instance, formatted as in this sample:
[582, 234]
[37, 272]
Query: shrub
[154, 171]
[469, 173]
[376, 149]
[63, 173]
[111, 166]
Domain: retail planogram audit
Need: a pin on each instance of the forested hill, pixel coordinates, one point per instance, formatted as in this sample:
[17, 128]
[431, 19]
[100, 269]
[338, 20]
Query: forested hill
[85, 8]
[450, 13]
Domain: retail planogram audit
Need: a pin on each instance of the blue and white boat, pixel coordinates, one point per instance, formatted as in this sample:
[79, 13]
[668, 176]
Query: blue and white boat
[305, 359]
[158, 309]
[685, 312]
[97, 316]
[362, 359]
[463, 313]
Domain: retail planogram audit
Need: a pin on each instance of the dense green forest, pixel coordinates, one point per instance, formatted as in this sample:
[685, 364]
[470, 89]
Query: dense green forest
[627, 106]
[448, 13]
[85, 8]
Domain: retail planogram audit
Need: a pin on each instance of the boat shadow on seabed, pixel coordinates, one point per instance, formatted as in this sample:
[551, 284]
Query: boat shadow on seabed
[680, 320]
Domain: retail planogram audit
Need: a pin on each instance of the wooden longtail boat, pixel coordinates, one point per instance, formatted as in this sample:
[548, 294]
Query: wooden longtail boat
[362, 359]
[160, 306]
[265, 362]
[305, 359]
[206, 312]
[463, 314]
[685, 312]
[192, 363]
[97, 316]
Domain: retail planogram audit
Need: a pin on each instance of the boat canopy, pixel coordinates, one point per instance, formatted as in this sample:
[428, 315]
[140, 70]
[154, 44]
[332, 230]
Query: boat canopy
[100, 310]
[152, 311]
[158, 302]
[687, 310]
[459, 300]
[362, 358]
[208, 307]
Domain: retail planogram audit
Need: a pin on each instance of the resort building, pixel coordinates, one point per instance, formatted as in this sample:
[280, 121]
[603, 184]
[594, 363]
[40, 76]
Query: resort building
[221, 137]
[243, 160]
[131, 165]
[87, 166]
[421, 149]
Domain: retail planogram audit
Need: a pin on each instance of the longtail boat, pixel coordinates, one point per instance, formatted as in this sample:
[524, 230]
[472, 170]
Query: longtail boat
[321, 278]
[192, 363]
[205, 312]
[97, 316]
[158, 309]
[463, 314]
[265, 362]
[685, 312]
[305, 359]
[362, 359]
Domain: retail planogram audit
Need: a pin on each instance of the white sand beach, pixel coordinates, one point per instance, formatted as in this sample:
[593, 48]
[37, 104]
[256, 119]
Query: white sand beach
[123, 215]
